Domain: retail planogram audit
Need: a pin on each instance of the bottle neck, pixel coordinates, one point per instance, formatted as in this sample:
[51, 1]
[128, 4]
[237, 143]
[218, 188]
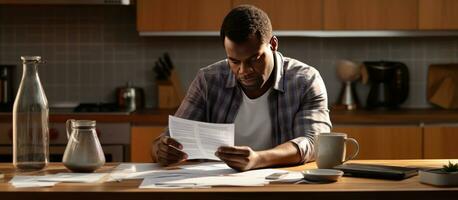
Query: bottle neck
[30, 70]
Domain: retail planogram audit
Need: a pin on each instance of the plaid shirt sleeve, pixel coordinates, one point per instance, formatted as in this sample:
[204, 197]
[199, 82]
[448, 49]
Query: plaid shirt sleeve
[312, 117]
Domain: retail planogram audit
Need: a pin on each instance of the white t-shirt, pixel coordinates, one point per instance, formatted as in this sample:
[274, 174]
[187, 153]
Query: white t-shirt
[253, 126]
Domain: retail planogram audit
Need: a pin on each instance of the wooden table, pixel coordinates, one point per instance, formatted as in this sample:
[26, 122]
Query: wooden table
[345, 188]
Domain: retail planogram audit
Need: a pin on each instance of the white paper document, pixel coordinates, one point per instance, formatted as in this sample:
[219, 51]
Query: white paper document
[263, 173]
[200, 140]
[144, 170]
[29, 181]
[258, 173]
[73, 177]
[158, 181]
[200, 182]
[134, 171]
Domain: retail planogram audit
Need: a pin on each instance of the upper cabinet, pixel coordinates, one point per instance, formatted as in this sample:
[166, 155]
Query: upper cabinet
[300, 15]
[438, 14]
[181, 15]
[370, 14]
[290, 14]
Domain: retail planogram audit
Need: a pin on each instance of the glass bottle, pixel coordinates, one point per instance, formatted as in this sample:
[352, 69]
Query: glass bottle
[30, 119]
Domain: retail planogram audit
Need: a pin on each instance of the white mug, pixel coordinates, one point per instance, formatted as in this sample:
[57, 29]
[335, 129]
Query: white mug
[331, 149]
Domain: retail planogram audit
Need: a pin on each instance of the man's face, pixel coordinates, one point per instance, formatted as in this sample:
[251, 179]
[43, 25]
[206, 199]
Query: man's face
[251, 62]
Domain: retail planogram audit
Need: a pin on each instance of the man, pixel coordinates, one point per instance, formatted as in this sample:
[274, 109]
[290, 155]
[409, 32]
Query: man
[278, 104]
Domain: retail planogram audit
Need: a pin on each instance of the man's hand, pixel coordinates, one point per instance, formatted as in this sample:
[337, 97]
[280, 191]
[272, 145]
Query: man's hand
[168, 151]
[241, 158]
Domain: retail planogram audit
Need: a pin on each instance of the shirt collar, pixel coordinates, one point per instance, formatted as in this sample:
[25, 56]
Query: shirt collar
[278, 70]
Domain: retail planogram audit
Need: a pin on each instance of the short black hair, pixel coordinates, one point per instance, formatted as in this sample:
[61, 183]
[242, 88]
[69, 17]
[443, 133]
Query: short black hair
[244, 21]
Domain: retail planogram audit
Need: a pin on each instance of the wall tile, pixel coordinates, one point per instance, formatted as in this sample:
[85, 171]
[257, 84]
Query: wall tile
[92, 50]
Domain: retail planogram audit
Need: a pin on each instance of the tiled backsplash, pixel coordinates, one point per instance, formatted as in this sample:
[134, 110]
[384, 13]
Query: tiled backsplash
[91, 50]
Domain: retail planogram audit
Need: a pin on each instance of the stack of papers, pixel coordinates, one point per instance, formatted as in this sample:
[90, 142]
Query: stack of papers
[206, 175]
[202, 175]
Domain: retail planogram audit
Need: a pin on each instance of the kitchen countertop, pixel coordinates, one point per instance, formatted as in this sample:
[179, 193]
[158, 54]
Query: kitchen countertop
[402, 116]
[142, 117]
[338, 117]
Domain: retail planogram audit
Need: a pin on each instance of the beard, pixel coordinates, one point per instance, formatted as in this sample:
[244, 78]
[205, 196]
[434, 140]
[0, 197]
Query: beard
[251, 83]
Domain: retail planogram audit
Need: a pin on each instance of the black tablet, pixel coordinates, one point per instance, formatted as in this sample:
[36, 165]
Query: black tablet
[377, 171]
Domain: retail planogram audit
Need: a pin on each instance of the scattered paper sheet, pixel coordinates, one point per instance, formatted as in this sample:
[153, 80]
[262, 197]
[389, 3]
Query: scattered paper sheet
[216, 181]
[137, 167]
[143, 170]
[134, 171]
[189, 181]
[156, 181]
[291, 177]
[29, 181]
[258, 173]
[208, 168]
[73, 177]
[200, 140]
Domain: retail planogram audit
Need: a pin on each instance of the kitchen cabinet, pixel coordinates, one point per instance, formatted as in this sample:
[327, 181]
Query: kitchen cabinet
[370, 14]
[385, 141]
[290, 14]
[181, 15]
[299, 15]
[438, 14]
[141, 140]
[440, 141]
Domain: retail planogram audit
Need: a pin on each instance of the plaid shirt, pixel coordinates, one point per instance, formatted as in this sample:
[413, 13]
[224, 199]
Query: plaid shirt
[298, 103]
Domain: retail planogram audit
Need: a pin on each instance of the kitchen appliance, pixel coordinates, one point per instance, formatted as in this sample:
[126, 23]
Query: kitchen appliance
[130, 98]
[348, 72]
[389, 84]
[6, 87]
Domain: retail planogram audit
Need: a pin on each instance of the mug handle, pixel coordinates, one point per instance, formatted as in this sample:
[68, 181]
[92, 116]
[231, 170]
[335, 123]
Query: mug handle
[354, 153]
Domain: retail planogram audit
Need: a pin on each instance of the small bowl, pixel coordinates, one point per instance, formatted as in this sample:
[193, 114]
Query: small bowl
[322, 175]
